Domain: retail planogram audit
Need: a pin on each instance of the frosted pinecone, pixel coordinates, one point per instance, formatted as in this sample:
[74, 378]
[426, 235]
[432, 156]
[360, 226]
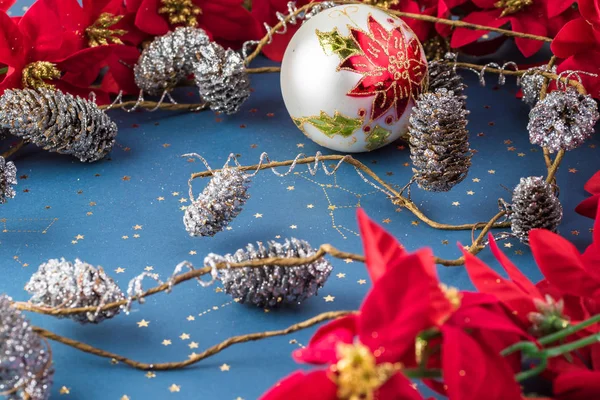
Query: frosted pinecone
[443, 76]
[563, 120]
[62, 284]
[221, 78]
[58, 122]
[439, 141]
[220, 202]
[270, 286]
[169, 59]
[531, 85]
[534, 205]
[25, 362]
[8, 178]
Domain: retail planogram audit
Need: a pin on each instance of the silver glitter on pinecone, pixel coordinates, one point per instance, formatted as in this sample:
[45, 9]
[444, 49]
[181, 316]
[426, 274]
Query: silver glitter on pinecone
[439, 141]
[221, 78]
[563, 120]
[270, 286]
[25, 362]
[220, 202]
[443, 76]
[531, 85]
[8, 178]
[62, 284]
[169, 59]
[58, 122]
[534, 205]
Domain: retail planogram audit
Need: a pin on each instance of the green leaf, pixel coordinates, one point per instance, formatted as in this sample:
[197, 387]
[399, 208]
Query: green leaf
[3, 70]
[377, 137]
[331, 126]
[334, 43]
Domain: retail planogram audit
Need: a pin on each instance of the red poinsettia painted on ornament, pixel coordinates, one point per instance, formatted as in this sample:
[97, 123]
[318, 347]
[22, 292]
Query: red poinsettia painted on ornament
[227, 21]
[392, 68]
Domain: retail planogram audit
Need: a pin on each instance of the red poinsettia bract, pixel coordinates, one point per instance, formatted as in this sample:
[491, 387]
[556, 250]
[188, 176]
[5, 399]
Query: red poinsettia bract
[589, 206]
[34, 38]
[6, 4]
[392, 68]
[226, 21]
[578, 42]
[577, 385]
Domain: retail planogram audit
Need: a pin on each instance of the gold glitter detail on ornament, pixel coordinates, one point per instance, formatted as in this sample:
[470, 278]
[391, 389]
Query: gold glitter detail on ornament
[357, 374]
[180, 12]
[512, 6]
[36, 73]
[382, 3]
[436, 48]
[100, 34]
[452, 295]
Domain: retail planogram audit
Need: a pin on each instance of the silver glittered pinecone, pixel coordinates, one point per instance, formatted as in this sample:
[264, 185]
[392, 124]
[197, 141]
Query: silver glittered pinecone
[221, 78]
[270, 286]
[25, 362]
[531, 85]
[220, 202]
[8, 178]
[443, 76]
[169, 59]
[62, 284]
[58, 122]
[563, 120]
[534, 205]
[439, 141]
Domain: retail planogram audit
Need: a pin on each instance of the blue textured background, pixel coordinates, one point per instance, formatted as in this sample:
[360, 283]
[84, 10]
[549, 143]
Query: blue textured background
[89, 211]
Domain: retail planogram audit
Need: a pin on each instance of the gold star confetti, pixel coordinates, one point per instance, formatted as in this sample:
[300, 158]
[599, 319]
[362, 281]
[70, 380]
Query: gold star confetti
[74, 241]
[193, 345]
[175, 194]
[258, 215]
[150, 375]
[149, 268]
[224, 367]
[92, 203]
[193, 252]
[183, 200]
[143, 324]
[476, 179]
[455, 203]
[310, 206]
[165, 145]
[191, 318]
[293, 227]
[137, 227]
[136, 236]
[64, 390]
[491, 171]
[362, 282]
[511, 148]
[470, 193]
[218, 290]
[238, 398]
[183, 208]
[521, 154]
[329, 298]
[160, 198]
[415, 223]
[519, 252]
[508, 141]
[386, 221]
[573, 170]
[300, 145]
[332, 207]
[575, 233]
[114, 361]
[79, 237]
[166, 342]
[124, 237]
[445, 241]
[126, 178]
[193, 355]
[348, 260]
[120, 270]
[89, 213]
[508, 245]
[184, 336]
[174, 388]
[125, 397]
[341, 275]
[290, 188]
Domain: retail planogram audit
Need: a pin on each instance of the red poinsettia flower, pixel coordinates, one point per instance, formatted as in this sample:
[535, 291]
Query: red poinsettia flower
[578, 42]
[589, 206]
[534, 17]
[36, 53]
[227, 21]
[577, 385]
[6, 4]
[393, 69]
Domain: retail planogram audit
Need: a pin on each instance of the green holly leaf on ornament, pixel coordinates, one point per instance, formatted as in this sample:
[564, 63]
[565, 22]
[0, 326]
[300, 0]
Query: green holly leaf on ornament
[376, 137]
[337, 125]
[334, 43]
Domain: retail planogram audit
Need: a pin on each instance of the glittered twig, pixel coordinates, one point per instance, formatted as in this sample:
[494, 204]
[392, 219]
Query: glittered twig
[15, 148]
[197, 357]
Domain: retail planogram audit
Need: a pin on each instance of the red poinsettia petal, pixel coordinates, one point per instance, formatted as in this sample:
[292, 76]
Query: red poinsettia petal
[464, 36]
[322, 348]
[575, 37]
[371, 48]
[381, 248]
[557, 7]
[471, 371]
[83, 67]
[591, 256]
[383, 102]
[358, 63]
[486, 280]
[367, 86]
[403, 302]
[12, 80]
[560, 262]
[589, 206]
[398, 387]
[11, 41]
[229, 22]
[590, 10]
[301, 386]
[513, 272]
[588, 61]
[39, 26]
[577, 385]
[6, 4]
[149, 20]
[529, 23]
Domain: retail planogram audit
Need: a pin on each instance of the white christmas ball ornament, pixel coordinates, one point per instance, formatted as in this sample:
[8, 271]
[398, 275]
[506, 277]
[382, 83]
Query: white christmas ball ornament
[350, 77]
